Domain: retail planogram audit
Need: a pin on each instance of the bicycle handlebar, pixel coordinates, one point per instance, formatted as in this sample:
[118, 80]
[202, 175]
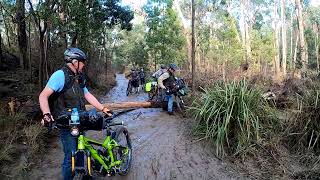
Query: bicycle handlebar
[88, 120]
[115, 124]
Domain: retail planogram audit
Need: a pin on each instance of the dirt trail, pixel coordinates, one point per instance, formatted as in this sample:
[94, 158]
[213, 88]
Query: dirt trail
[161, 148]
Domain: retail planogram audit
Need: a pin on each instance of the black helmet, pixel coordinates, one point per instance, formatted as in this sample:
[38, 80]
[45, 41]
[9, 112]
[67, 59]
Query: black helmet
[74, 53]
[162, 66]
[173, 66]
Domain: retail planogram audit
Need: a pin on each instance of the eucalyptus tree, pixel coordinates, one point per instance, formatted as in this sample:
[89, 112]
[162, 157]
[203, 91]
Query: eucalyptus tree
[164, 39]
[303, 45]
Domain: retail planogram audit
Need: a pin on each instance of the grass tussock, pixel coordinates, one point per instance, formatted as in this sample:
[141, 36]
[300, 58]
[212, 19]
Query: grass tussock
[231, 115]
[303, 130]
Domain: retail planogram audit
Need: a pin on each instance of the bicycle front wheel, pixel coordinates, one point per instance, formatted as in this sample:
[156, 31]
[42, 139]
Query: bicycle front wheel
[124, 152]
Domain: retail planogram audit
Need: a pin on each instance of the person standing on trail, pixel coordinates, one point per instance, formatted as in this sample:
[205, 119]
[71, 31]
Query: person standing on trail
[142, 77]
[158, 73]
[134, 78]
[65, 90]
[166, 82]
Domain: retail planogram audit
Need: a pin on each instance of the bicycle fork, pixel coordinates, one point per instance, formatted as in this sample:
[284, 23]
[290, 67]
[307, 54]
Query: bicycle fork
[81, 159]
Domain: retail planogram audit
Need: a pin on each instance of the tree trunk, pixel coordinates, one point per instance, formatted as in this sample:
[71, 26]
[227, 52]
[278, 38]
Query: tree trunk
[244, 6]
[303, 46]
[291, 40]
[243, 32]
[0, 50]
[295, 51]
[29, 44]
[317, 51]
[21, 31]
[128, 105]
[6, 27]
[42, 31]
[62, 16]
[284, 38]
[41, 63]
[75, 41]
[248, 43]
[276, 60]
[1, 40]
[193, 44]
[316, 44]
[46, 47]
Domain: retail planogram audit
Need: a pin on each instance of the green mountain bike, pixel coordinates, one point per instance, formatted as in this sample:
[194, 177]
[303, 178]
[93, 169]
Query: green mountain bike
[92, 158]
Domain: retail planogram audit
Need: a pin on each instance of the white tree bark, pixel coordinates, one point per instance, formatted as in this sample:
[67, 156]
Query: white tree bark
[303, 45]
[291, 40]
[284, 38]
[276, 59]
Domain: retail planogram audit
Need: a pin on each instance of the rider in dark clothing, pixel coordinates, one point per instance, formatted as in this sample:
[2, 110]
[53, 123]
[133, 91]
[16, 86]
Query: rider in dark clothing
[134, 78]
[166, 82]
[65, 90]
[142, 77]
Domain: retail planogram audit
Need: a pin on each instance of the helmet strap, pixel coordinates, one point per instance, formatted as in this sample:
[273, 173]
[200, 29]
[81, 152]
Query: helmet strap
[77, 69]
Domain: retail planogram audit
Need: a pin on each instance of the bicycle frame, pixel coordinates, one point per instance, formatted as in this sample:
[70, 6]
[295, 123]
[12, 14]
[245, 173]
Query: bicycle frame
[85, 145]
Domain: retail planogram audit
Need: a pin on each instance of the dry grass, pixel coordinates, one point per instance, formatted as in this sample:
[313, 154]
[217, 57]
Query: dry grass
[34, 136]
[20, 141]
[303, 128]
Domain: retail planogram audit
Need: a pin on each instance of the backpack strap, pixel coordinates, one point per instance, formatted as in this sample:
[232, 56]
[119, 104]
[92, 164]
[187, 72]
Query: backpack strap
[69, 78]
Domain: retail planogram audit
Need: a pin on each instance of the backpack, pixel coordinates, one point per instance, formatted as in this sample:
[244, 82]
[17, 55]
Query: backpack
[159, 73]
[142, 75]
[134, 75]
[181, 87]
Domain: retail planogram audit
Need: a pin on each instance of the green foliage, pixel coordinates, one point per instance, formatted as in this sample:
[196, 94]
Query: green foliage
[165, 40]
[230, 49]
[131, 47]
[89, 21]
[262, 45]
[230, 115]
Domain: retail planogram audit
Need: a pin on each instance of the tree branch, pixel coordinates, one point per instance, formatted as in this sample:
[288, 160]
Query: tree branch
[10, 14]
[36, 19]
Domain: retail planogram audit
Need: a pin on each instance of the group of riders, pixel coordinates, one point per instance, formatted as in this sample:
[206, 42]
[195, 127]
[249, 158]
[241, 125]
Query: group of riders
[136, 80]
[163, 87]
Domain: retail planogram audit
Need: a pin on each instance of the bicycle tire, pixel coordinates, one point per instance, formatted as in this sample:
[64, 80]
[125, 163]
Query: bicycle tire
[181, 105]
[129, 88]
[150, 95]
[79, 176]
[125, 168]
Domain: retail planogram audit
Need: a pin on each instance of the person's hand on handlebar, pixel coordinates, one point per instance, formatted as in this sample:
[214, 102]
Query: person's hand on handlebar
[107, 111]
[47, 120]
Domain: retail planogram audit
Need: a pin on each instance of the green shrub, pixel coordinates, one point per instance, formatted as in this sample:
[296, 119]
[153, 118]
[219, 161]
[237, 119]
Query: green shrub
[230, 115]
